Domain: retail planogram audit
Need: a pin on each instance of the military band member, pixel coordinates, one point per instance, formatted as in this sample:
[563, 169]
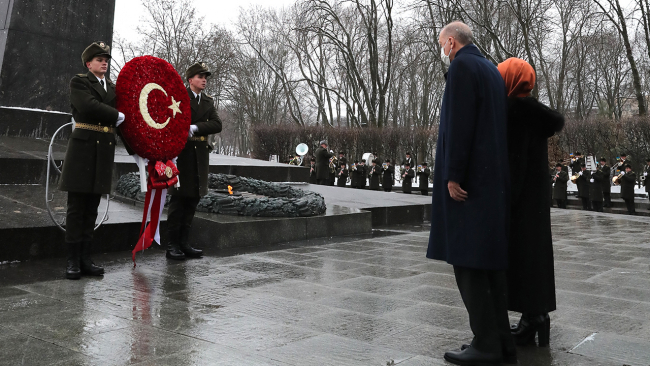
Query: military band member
[423, 178]
[624, 160]
[577, 162]
[342, 176]
[323, 164]
[312, 171]
[376, 157]
[193, 164]
[88, 166]
[409, 160]
[388, 178]
[606, 182]
[407, 178]
[362, 174]
[596, 189]
[342, 158]
[628, 182]
[334, 168]
[559, 186]
[583, 187]
[353, 175]
[644, 178]
[374, 174]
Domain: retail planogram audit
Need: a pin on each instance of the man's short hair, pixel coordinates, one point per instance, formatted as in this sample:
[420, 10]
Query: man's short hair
[603, 159]
[460, 31]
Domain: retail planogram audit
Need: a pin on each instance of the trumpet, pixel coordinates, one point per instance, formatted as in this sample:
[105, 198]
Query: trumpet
[419, 168]
[385, 166]
[354, 167]
[617, 178]
[574, 178]
[333, 162]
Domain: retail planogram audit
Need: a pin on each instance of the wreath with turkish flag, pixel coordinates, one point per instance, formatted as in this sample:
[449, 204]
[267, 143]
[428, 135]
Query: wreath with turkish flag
[157, 113]
[156, 107]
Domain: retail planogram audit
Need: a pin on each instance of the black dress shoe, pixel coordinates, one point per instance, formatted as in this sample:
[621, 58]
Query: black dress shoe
[72, 271]
[509, 358]
[531, 325]
[175, 253]
[86, 264]
[191, 252]
[472, 357]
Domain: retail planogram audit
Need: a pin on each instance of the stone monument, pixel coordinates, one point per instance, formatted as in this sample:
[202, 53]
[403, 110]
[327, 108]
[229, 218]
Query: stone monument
[40, 50]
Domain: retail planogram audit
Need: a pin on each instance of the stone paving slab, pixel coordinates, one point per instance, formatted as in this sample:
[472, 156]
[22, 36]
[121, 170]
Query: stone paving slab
[340, 301]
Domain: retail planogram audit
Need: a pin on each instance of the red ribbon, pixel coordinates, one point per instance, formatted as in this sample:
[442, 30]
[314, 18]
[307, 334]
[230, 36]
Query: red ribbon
[161, 177]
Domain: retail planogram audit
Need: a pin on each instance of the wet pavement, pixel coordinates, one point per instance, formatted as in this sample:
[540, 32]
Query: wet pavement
[343, 301]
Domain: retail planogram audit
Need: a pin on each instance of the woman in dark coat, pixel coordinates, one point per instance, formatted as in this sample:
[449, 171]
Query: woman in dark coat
[531, 279]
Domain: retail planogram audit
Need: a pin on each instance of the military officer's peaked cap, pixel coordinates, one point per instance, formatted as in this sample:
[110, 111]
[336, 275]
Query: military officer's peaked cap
[95, 49]
[197, 68]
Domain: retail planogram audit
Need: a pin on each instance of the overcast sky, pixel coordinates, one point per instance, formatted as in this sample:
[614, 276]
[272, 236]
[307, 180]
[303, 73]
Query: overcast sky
[129, 12]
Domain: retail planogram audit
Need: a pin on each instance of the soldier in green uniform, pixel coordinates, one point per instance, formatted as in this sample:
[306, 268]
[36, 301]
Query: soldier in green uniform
[606, 182]
[423, 178]
[193, 163]
[628, 182]
[88, 166]
[560, 180]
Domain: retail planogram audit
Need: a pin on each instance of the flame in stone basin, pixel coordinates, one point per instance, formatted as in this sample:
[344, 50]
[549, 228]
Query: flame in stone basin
[230, 189]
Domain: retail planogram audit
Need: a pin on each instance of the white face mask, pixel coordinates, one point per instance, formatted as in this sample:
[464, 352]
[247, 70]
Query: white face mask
[445, 58]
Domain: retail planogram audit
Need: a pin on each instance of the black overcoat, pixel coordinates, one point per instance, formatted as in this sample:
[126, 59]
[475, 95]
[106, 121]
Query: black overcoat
[531, 279]
[361, 176]
[596, 187]
[194, 161]
[472, 151]
[353, 178]
[628, 182]
[312, 174]
[407, 181]
[375, 174]
[342, 177]
[88, 164]
[559, 188]
[583, 184]
[606, 183]
[322, 163]
[646, 171]
[423, 178]
[388, 178]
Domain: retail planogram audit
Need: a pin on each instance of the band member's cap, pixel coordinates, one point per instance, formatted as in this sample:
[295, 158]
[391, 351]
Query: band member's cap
[341, 153]
[375, 161]
[424, 164]
[197, 68]
[323, 142]
[343, 163]
[603, 159]
[627, 166]
[387, 160]
[363, 160]
[408, 153]
[558, 165]
[313, 159]
[623, 155]
[407, 164]
[578, 153]
[647, 160]
[98, 48]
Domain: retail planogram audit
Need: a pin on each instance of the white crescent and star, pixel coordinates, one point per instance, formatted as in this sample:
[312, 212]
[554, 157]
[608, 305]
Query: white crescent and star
[144, 110]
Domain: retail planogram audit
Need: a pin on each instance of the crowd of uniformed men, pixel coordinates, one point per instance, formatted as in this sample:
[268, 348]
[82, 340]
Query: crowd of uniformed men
[594, 186]
[327, 169]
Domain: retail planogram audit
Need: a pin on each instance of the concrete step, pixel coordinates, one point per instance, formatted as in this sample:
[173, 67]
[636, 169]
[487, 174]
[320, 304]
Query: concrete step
[34, 123]
[617, 203]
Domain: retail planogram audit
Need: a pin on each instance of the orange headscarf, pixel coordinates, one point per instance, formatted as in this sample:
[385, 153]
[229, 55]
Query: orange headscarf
[519, 77]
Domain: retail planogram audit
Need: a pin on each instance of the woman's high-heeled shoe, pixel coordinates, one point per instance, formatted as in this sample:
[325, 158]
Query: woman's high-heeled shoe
[531, 325]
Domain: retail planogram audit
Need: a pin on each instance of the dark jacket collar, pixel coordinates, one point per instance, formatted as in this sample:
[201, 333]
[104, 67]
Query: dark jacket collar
[108, 94]
[469, 49]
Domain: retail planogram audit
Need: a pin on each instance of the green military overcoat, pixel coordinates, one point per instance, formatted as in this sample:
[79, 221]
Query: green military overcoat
[194, 161]
[88, 164]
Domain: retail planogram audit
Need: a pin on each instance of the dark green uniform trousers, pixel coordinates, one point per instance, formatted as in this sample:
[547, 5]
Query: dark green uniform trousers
[81, 217]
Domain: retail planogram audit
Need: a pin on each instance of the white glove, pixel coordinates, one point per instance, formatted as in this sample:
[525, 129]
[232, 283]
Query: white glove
[645, 174]
[120, 119]
[622, 173]
[580, 174]
[591, 180]
[331, 151]
[193, 129]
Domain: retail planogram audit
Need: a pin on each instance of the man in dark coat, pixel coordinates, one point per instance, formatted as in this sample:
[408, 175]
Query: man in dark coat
[388, 178]
[623, 162]
[644, 177]
[88, 165]
[423, 178]
[471, 190]
[342, 175]
[606, 182]
[374, 174]
[353, 174]
[596, 190]
[409, 159]
[559, 186]
[628, 182]
[312, 171]
[577, 162]
[323, 164]
[407, 179]
[342, 158]
[193, 164]
[362, 171]
[583, 187]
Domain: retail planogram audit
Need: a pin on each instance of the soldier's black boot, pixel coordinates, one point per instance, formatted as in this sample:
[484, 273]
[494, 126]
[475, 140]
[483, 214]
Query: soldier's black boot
[87, 265]
[186, 247]
[72, 271]
[174, 250]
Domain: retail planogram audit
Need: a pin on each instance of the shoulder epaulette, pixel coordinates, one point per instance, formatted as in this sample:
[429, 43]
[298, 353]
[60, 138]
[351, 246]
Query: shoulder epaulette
[82, 75]
[207, 96]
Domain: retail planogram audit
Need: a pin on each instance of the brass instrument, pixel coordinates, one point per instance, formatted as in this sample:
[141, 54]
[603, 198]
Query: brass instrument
[401, 174]
[574, 178]
[419, 168]
[354, 167]
[385, 166]
[643, 178]
[333, 162]
[295, 161]
[617, 178]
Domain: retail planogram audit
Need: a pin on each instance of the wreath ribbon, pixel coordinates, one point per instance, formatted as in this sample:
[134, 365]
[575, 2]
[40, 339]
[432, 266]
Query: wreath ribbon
[161, 177]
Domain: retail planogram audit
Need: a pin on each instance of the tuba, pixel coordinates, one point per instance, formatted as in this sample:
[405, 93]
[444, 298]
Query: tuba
[574, 178]
[419, 168]
[301, 150]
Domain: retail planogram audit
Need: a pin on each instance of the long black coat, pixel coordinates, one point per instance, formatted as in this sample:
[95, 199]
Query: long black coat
[388, 178]
[322, 163]
[646, 172]
[472, 151]
[194, 161]
[423, 177]
[88, 164]
[628, 182]
[354, 178]
[342, 177]
[312, 174]
[531, 279]
[361, 176]
[596, 187]
[583, 184]
[559, 188]
[375, 174]
[407, 181]
[606, 182]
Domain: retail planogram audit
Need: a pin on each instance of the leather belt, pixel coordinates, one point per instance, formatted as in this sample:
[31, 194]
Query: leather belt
[87, 126]
[199, 138]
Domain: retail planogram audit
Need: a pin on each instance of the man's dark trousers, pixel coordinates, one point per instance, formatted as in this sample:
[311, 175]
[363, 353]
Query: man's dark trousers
[561, 203]
[81, 217]
[586, 203]
[608, 199]
[484, 293]
[179, 219]
[629, 203]
[324, 182]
